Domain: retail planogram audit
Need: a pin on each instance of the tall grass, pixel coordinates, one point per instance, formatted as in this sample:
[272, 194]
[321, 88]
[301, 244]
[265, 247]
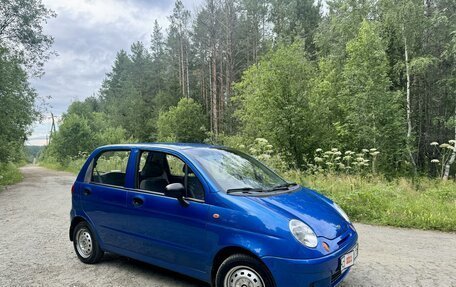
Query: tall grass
[424, 203]
[73, 166]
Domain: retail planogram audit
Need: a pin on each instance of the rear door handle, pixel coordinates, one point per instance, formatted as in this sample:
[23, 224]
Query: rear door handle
[86, 191]
[138, 201]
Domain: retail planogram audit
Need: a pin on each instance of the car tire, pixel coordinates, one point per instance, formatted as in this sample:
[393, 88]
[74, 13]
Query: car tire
[244, 270]
[86, 245]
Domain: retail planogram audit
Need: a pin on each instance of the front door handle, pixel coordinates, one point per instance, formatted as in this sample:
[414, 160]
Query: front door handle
[86, 191]
[138, 201]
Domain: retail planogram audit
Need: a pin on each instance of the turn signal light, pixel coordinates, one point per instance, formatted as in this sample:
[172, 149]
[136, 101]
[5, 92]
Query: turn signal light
[326, 246]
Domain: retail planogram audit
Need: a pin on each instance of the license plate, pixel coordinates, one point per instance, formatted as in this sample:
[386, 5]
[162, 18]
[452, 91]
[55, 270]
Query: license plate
[349, 258]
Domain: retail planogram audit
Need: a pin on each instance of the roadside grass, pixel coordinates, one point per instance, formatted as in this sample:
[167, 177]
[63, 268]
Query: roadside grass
[9, 174]
[73, 166]
[423, 204]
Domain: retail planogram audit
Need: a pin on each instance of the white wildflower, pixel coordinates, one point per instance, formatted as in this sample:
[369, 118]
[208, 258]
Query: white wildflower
[318, 150]
[434, 143]
[435, 161]
[261, 140]
[318, 159]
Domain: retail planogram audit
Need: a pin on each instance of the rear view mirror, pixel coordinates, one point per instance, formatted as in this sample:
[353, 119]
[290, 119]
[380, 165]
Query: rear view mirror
[177, 190]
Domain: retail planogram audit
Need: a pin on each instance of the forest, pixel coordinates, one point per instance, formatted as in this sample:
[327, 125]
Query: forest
[356, 98]
[345, 74]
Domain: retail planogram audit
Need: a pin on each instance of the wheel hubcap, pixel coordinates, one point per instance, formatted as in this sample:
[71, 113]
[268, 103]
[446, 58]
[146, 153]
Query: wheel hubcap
[243, 276]
[84, 243]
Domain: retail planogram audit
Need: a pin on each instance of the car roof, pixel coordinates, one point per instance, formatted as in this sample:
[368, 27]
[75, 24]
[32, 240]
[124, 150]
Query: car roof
[171, 146]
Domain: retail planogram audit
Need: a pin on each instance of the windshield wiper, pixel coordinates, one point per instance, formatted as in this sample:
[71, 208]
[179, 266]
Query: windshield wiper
[284, 186]
[244, 190]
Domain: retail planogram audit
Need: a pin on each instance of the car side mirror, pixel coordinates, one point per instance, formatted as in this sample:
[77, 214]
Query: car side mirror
[177, 190]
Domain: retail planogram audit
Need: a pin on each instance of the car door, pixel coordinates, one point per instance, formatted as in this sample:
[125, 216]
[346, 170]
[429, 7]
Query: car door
[103, 196]
[162, 228]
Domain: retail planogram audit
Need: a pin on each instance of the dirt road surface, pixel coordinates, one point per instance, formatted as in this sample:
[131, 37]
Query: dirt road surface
[35, 250]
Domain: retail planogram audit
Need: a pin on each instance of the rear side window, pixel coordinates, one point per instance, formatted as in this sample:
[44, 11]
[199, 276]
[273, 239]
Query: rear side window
[110, 168]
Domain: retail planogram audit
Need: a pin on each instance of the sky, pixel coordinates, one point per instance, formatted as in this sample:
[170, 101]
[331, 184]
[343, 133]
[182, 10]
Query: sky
[87, 35]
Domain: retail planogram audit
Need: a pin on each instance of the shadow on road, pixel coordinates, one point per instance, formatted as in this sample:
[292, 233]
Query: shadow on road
[135, 266]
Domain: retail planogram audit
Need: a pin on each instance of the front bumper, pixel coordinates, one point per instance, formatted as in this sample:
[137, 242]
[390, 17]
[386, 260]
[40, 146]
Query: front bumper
[319, 272]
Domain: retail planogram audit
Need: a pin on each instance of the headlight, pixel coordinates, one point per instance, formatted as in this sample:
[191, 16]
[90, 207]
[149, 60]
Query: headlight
[342, 212]
[303, 233]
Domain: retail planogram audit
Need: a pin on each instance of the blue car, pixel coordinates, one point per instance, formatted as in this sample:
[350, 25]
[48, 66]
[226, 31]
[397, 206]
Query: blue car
[209, 212]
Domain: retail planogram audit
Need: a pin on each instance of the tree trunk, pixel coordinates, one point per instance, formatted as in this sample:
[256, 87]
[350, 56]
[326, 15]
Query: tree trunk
[186, 71]
[209, 98]
[229, 50]
[181, 64]
[221, 93]
[214, 90]
[213, 67]
[180, 72]
[409, 108]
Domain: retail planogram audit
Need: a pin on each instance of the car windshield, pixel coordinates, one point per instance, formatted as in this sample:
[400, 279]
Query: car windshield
[237, 172]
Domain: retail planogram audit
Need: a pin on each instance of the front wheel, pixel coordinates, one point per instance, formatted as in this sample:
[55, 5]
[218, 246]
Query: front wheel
[243, 271]
[86, 245]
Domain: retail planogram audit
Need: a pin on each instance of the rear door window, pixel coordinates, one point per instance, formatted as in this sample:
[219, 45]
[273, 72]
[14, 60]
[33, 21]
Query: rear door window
[110, 168]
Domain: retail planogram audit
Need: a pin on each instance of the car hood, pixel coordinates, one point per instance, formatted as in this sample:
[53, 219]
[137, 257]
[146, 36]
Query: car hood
[310, 207]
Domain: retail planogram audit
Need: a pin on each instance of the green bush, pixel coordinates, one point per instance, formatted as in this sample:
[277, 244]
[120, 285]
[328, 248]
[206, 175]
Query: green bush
[182, 123]
[9, 174]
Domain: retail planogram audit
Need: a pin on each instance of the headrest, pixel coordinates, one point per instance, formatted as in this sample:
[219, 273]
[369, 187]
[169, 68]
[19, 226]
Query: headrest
[153, 166]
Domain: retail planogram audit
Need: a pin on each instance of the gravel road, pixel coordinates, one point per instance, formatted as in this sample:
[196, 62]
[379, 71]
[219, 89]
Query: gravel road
[35, 250]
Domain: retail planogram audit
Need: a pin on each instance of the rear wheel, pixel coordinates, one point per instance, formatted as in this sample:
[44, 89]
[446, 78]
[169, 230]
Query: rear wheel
[86, 245]
[243, 271]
